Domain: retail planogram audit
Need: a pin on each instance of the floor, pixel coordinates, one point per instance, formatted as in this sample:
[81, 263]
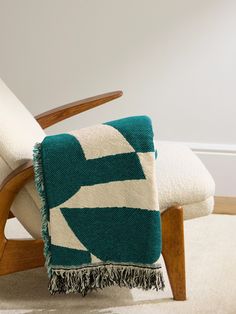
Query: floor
[211, 280]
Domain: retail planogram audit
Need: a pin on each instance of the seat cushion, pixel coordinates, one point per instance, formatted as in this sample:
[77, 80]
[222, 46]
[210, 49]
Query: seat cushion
[199, 209]
[18, 133]
[182, 178]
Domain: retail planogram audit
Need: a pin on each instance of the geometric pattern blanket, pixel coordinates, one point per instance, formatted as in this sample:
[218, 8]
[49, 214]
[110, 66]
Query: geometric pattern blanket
[100, 213]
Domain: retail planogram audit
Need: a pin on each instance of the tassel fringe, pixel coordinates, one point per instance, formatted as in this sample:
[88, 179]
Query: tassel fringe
[85, 279]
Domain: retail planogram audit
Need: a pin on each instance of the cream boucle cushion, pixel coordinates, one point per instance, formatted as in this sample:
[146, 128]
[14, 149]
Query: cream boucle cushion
[181, 175]
[182, 178]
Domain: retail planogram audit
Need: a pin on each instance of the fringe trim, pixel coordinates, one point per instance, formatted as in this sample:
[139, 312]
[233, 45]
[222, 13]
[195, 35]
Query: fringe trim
[39, 182]
[86, 279]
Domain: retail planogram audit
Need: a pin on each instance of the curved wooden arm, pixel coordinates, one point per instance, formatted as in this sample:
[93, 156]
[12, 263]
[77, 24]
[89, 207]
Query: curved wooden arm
[9, 188]
[17, 254]
[53, 116]
[17, 178]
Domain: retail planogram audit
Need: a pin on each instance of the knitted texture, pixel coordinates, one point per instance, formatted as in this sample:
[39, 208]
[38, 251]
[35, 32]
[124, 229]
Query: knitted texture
[100, 213]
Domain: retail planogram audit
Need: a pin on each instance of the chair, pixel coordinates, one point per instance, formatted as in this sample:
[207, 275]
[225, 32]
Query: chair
[182, 179]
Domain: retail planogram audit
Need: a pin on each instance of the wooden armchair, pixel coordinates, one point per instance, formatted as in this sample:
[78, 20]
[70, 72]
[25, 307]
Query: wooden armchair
[22, 254]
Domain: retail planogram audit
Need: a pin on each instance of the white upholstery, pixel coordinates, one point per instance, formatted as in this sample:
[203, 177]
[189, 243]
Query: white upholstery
[181, 176]
[18, 133]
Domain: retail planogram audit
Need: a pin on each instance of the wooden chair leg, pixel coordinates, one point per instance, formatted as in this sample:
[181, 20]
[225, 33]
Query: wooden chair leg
[173, 250]
[21, 255]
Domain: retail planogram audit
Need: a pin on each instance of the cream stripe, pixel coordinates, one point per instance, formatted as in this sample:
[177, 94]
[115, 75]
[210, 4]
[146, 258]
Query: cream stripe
[61, 233]
[102, 140]
[94, 259]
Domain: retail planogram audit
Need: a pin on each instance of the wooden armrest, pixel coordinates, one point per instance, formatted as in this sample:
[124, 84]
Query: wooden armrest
[9, 188]
[17, 178]
[53, 116]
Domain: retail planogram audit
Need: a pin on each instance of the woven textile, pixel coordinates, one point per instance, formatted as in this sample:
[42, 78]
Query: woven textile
[100, 214]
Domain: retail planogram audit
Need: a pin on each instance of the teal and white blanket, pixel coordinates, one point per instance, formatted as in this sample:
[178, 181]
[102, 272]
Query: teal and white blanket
[100, 213]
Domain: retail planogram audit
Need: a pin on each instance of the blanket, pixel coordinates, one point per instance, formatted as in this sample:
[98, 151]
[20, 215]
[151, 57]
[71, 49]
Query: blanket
[100, 214]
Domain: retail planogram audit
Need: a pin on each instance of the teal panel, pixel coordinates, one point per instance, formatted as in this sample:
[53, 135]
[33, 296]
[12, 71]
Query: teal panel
[117, 234]
[138, 132]
[69, 257]
[63, 160]
[60, 155]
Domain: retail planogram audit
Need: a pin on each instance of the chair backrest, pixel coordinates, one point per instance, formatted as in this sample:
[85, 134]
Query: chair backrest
[19, 131]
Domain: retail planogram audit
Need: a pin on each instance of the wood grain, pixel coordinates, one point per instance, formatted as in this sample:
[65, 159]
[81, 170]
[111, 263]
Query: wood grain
[9, 189]
[16, 255]
[225, 205]
[21, 255]
[53, 116]
[173, 250]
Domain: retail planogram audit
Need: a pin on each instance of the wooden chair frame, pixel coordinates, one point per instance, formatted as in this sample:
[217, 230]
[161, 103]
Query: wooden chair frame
[22, 254]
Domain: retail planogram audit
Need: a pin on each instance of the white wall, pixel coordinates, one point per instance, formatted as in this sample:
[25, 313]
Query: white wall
[174, 59]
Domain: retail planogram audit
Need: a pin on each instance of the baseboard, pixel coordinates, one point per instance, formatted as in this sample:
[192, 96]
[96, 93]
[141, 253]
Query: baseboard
[225, 205]
[212, 148]
[220, 160]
